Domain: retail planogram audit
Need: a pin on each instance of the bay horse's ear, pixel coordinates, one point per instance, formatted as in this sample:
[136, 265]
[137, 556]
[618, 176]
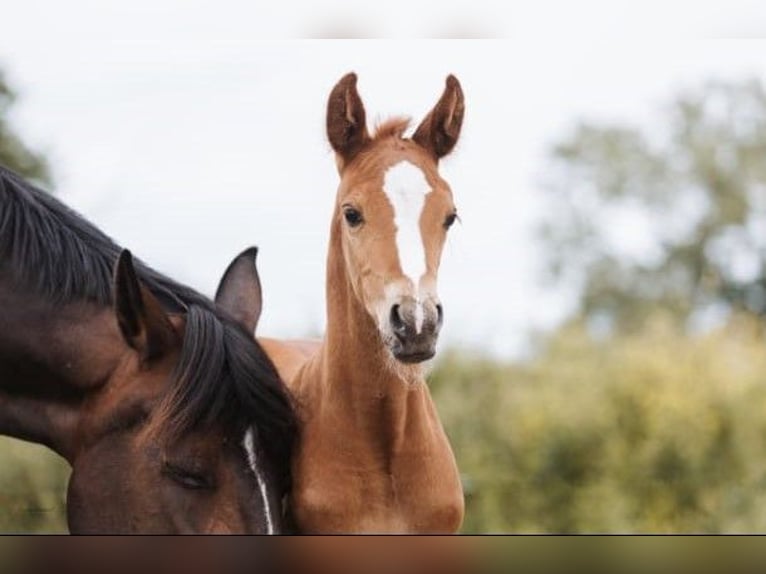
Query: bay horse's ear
[346, 120]
[440, 129]
[239, 292]
[143, 322]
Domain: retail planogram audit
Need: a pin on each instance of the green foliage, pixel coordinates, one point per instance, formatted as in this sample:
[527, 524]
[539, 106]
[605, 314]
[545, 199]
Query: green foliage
[32, 488]
[693, 190]
[648, 432]
[14, 154]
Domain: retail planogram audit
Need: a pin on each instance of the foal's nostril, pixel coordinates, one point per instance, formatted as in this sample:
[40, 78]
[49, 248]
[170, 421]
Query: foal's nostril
[396, 321]
[440, 314]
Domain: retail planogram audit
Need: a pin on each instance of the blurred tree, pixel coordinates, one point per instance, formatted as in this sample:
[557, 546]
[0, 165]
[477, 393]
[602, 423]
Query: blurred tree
[650, 431]
[14, 154]
[674, 217]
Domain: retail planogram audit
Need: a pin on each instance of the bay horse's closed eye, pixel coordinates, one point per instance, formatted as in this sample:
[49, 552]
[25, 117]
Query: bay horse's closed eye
[172, 419]
[373, 456]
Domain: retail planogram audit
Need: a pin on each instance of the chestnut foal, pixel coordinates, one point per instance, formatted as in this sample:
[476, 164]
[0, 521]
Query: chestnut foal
[373, 456]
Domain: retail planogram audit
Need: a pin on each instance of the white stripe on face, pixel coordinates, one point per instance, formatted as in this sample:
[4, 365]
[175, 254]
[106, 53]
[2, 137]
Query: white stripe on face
[248, 445]
[406, 187]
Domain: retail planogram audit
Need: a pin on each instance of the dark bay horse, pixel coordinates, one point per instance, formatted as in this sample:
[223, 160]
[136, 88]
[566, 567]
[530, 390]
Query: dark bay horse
[173, 419]
[373, 455]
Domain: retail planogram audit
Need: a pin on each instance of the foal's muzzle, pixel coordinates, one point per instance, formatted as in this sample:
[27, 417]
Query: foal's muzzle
[415, 326]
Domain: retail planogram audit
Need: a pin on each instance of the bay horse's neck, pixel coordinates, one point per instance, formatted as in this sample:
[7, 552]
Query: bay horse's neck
[360, 374]
[51, 357]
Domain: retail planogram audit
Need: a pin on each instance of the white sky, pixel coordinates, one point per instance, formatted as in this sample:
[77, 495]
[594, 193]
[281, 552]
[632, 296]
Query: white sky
[180, 134]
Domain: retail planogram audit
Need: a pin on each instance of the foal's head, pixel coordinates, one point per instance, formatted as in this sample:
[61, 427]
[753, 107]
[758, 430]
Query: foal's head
[393, 212]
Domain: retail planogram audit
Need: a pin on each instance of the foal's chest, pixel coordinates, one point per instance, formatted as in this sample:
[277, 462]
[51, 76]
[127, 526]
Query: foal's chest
[357, 494]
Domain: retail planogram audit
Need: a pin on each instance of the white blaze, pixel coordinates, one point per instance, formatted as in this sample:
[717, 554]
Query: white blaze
[418, 316]
[406, 187]
[247, 443]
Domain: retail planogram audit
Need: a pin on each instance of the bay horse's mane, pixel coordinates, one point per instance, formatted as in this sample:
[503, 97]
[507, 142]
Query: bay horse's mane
[59, 256]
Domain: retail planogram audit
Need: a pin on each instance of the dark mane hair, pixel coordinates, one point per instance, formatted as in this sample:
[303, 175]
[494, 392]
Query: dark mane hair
[222, 375]
[59, 255]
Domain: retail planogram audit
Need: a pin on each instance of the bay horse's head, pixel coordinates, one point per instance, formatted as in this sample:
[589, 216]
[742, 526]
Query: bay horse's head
[191, 431]
[393, 212]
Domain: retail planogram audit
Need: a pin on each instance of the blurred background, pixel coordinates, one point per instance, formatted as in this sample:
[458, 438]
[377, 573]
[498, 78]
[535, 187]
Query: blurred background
[603, 362]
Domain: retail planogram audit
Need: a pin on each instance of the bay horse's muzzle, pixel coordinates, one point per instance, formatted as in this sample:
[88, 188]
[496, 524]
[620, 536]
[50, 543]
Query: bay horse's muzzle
[416, 326]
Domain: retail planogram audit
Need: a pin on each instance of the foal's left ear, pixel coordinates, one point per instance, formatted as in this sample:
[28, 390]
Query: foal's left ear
[143, 322]
[239, 292]
[440, 129]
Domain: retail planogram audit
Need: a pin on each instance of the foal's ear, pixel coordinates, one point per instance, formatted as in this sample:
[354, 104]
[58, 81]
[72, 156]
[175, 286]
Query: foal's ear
[346, 120]
[239, 292]
[140, 316]
[439, 131]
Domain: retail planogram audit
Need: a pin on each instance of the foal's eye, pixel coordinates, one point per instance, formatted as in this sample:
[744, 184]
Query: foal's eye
[353, 216]
[189, 479]
[450, 219]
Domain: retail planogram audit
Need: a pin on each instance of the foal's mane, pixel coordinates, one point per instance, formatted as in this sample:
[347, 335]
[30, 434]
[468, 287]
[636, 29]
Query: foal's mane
[222, 375]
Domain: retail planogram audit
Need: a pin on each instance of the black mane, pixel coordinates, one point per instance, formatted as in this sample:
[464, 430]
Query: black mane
[58, 254]
[223, 375]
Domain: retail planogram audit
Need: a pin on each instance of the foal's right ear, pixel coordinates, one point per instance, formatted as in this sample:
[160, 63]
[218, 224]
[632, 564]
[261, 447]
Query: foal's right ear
[143, 322]
[239, 292]
[346, 120]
